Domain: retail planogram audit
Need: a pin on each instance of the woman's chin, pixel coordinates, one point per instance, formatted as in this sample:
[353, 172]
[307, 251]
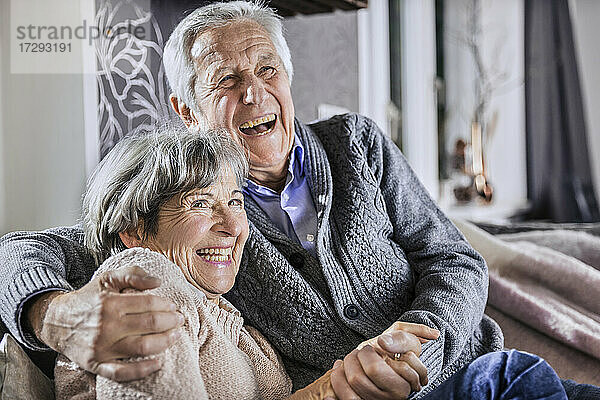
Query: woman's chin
[214, 277]
[216, 289]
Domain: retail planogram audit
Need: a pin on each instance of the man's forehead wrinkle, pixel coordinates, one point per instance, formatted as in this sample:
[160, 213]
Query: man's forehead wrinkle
[205, 50]
[268, 57]
[218, 40]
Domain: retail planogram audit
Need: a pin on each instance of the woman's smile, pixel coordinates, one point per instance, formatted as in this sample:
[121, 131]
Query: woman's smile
[220, 257]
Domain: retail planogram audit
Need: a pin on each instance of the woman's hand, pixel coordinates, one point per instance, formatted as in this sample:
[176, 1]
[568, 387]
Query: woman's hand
[318, 390]
[373, 372]
[97, 325]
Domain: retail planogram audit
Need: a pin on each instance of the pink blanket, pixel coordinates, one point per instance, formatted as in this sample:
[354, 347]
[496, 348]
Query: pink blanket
[548, 280]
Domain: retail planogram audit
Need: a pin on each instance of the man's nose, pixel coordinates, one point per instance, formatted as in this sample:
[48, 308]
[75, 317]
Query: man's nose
[254, 91]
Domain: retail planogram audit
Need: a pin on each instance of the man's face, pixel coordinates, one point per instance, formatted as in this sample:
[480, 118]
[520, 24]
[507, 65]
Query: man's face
[242, 86]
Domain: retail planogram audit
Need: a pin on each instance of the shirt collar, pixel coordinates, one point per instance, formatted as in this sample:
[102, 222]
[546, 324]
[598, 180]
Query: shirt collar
[295, 169]
[297, 156]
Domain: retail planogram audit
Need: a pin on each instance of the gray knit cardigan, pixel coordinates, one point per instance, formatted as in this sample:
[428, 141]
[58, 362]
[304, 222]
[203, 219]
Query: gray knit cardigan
[385, 252]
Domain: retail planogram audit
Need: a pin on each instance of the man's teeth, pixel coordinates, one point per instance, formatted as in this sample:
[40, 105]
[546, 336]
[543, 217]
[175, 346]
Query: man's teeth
[215, 254]
[258, 121]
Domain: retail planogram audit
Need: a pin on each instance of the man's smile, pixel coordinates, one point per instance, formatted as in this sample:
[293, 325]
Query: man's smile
[259, 126]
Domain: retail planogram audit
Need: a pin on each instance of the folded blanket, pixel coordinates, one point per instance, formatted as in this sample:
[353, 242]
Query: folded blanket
[549, 281]
[581, 245]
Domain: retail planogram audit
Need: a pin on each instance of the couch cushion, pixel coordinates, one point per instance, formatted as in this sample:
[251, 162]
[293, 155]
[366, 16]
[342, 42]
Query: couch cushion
[20, 379]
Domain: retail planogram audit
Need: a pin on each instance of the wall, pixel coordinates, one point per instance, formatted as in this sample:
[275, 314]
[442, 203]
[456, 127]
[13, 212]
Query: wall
[324, 51]
[502, 52]
[42, 139]
[419, 102]
[585, 15]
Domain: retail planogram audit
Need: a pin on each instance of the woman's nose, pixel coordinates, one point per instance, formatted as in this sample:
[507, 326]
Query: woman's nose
[228, 222]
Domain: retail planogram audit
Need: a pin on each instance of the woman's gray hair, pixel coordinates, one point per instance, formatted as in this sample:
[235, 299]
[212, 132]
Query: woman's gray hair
[177, 57]
[142, 172]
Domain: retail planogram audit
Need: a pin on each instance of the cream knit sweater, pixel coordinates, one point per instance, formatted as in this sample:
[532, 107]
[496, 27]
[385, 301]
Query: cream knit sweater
[217, 357]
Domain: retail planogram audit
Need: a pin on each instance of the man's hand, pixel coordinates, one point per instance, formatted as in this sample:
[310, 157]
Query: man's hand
[372, 372]
[97, 325]
[422, 332]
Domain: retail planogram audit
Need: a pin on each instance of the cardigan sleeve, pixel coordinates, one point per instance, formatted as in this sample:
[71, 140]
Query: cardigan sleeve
[36, 262]
[451, 278]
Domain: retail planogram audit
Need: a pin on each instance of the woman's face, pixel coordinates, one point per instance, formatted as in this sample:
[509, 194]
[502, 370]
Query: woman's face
[203, 231]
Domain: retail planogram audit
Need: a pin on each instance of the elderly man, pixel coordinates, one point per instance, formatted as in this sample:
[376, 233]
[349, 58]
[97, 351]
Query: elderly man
[344, 240]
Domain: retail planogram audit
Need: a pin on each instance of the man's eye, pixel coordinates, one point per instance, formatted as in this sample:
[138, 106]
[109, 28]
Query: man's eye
[227, 81]
[267, 70]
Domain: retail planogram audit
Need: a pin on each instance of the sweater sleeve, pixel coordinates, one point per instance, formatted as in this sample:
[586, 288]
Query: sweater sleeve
[180, 374]
[451, 278]
[36, 262]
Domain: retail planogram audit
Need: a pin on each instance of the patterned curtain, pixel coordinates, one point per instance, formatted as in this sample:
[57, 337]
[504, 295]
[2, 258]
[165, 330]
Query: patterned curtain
[132, 88]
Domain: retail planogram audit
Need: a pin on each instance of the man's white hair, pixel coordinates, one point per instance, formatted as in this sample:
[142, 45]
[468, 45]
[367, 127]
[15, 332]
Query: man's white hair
[177, 57]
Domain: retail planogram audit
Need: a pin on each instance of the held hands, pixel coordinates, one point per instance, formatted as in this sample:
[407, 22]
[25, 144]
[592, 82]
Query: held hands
[372, 372]
[97, 325]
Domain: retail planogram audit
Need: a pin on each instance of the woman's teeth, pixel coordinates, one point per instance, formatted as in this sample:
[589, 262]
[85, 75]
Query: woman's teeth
[215, 254]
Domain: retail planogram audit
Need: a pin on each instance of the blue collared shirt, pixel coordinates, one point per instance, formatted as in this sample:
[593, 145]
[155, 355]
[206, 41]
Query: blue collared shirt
[293, 211]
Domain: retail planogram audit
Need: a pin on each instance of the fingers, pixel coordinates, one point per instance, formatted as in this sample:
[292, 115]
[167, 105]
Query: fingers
[340, 385]
[404, 369]
[150, 322]
[372, 378]
[423, 332]
[129, 277]
[357, 378]
[417, 365]
[140, 346]
[123, 372]
[137, 303]
[399, 342]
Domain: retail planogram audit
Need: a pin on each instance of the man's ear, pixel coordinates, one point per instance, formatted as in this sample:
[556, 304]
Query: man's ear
[186, 114]
[131, 238]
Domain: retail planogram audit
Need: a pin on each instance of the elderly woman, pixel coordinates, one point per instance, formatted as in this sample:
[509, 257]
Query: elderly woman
[171, 204]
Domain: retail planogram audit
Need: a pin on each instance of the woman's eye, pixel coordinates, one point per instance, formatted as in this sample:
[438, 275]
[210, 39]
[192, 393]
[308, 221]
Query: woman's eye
[199, 204]
[236, 203]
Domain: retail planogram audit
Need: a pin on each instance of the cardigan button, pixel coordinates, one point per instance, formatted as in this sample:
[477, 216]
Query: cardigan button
[296, 260]
[351, 311]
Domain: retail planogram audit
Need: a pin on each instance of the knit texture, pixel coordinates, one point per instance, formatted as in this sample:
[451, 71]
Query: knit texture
[385, 252]
[36, 261]
[217, 357]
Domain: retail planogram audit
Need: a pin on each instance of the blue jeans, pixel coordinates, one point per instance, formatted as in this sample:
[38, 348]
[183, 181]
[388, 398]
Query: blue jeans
[502, 375]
